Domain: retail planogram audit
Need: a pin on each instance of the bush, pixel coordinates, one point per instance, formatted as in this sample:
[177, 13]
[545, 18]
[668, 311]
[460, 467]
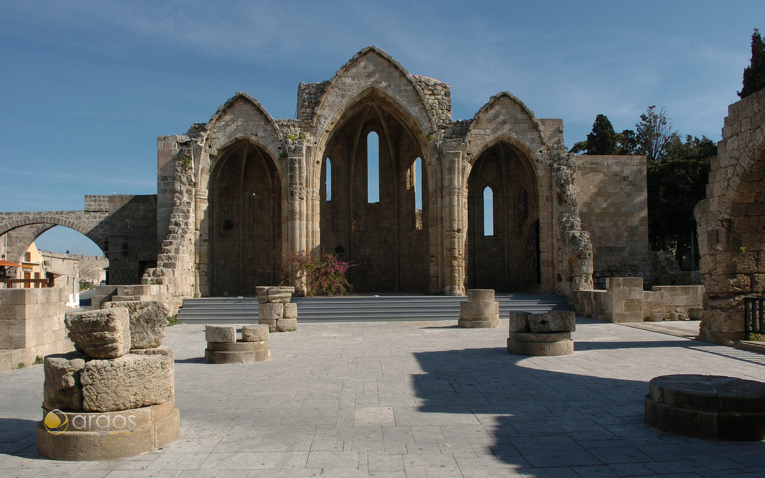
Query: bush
[322, 277]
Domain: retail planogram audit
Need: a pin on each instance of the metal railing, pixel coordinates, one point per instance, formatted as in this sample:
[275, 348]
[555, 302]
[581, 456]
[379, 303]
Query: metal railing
[754, 316]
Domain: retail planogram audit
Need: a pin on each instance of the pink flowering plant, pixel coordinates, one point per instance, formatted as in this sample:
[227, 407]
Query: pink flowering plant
[325, 276]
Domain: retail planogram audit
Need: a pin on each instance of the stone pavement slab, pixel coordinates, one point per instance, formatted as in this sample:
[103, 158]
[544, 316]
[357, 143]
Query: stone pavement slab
[411, 399]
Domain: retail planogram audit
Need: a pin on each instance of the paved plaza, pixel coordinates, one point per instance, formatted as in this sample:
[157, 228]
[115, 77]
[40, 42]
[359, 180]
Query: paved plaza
[413, 399]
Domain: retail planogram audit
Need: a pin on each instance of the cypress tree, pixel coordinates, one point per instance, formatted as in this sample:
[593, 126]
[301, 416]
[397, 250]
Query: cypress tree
[754, 74]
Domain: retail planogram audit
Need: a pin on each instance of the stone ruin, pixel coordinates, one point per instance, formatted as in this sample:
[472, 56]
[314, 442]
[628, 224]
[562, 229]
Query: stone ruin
[275, 309]
[731, 221]
[541, 334]
[480, 311]
[223, 346]
[113, 397]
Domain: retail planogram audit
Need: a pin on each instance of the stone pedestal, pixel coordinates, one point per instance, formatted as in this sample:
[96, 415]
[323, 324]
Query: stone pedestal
[541, 334]
[225, 348]
[100, 436]
[275, 309]
[112, 401]
[480, 311]
[707, 406]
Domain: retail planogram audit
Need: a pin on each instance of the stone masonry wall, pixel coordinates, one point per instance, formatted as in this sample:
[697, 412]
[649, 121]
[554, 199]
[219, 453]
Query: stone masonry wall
[613, 209]
[731, 221]
[31, 325]
[412, 116]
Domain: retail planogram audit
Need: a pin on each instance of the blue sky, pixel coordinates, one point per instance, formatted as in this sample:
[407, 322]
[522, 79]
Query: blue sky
[86, 86]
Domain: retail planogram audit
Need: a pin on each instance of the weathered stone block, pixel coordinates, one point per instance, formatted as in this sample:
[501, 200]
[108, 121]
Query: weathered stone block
[290, 311]
[519, 321]
[255, 333]
[270, 323]
[63, 389]
[100, 334]
[480, 295]
[286, 325]
[148, 320]
[130, 381]
[479, 308]
[552, 322]
[220, 333]
[271, 311]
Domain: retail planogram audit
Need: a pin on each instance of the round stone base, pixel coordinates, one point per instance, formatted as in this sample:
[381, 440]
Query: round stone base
[482, 322]
[707, 406]
[237, 352]
[96, 436]
[540, 344]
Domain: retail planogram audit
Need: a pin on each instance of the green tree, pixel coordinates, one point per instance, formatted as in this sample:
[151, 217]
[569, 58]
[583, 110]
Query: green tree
[627, 142]
[675, 185]
[754, 74]
[654, 134]
[602, 140]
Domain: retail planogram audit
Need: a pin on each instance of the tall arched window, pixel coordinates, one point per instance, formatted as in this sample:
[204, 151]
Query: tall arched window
[328, 180]
[418, 193]
[488, 211]
[373, 168]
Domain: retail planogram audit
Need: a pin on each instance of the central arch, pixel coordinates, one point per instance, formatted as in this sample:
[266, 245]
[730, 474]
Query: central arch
[245, 221]
[388, 241]
[508, 259]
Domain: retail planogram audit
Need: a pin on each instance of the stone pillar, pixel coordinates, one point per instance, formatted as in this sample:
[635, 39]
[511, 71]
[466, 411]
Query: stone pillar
[480, 311]
[223, 346]
[295, 223]
[454, 224]
[275, 309]
[115, 396]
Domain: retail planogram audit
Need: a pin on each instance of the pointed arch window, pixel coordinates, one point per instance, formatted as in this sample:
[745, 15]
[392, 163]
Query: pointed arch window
[488, 211]
[373, 168]
[418, 189]
[328, 180]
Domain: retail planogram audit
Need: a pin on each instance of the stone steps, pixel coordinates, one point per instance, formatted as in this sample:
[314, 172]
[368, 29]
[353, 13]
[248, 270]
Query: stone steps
[244, 310]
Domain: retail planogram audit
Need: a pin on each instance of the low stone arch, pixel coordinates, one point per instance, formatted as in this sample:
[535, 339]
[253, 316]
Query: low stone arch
[90, 224]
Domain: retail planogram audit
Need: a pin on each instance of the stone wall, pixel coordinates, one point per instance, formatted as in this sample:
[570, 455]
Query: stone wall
[613, 209]
[31, 325]
[66, 270]
[131, 245]
[624, 300]
[731, 221]
[207, 178]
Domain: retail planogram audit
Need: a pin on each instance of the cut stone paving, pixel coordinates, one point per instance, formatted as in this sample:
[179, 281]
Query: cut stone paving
[406, 399]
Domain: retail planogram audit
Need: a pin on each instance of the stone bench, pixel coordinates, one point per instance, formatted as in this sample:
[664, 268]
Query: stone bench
[223, 346]
[707, 406]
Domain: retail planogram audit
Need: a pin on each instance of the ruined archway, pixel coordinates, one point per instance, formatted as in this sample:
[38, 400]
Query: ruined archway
[504, 257]
[385, 237]
[245, 221]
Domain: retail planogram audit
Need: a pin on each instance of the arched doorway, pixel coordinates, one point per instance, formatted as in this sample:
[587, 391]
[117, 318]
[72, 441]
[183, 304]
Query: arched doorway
[245, 221]
[503, 215]
[377, 213]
